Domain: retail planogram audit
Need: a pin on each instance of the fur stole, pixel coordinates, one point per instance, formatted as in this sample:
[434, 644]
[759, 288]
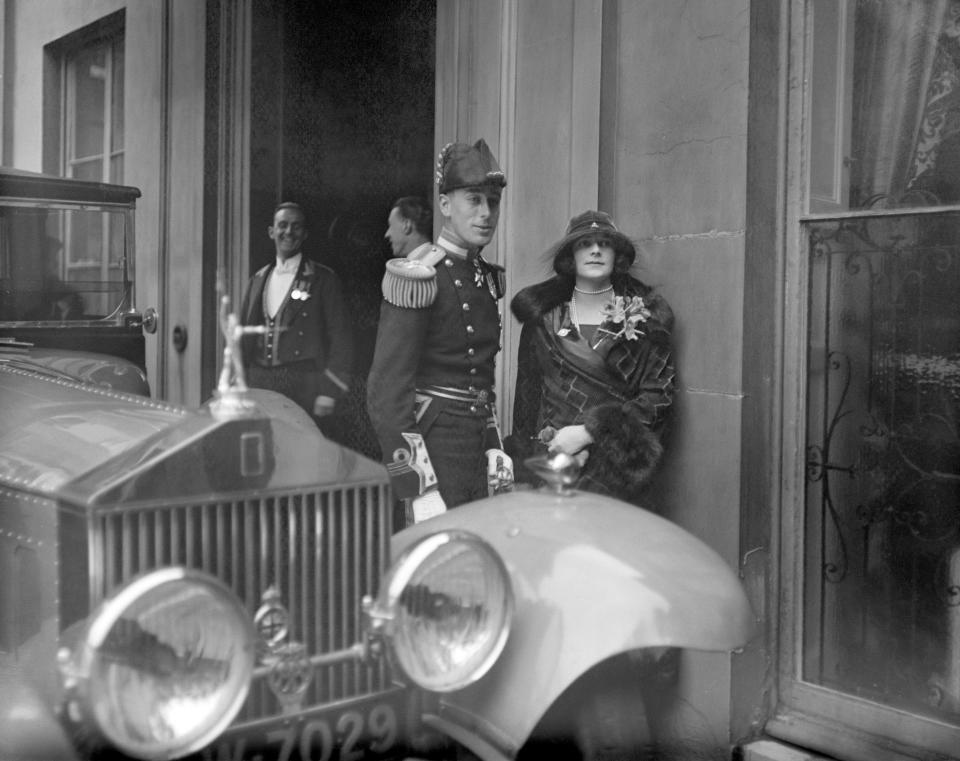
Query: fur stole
[534, 301]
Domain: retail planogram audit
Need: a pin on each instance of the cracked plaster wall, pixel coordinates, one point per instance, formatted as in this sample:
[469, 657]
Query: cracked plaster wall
[673, 174]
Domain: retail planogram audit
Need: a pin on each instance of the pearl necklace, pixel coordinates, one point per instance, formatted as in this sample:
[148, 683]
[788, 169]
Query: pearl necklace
[574, 316]
[578, 289]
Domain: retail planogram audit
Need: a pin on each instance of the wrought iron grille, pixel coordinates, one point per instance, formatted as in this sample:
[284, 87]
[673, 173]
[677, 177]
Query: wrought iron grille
[882, 600]
[322, 549]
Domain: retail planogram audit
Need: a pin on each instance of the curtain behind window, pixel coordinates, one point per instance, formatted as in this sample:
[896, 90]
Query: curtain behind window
[905, 80]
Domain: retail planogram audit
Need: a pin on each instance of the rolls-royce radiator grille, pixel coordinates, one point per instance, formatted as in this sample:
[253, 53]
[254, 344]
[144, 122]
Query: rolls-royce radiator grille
[322, 549]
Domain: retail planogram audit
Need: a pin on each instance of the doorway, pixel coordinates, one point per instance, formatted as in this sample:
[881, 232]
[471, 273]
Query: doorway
[342, 122]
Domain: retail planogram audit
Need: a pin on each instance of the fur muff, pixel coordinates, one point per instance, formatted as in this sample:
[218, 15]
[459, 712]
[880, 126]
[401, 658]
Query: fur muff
[624, 452]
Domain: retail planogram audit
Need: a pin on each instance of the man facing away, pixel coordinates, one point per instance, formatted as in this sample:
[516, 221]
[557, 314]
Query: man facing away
[409, 226]
[430, 389]
[306, 353]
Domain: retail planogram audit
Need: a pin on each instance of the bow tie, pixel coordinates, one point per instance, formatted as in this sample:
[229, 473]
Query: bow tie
[286, 268]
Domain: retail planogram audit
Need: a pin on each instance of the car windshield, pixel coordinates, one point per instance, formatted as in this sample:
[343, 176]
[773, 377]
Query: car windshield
[60, 263]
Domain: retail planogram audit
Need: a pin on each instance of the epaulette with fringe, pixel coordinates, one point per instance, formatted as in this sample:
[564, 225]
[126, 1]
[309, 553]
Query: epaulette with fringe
[410, 283]
[431, 255]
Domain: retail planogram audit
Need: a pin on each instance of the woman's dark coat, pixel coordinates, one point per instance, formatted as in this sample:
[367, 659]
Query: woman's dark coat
[619, 389]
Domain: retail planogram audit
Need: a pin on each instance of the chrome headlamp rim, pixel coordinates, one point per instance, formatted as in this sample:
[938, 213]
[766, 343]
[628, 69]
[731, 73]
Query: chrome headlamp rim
[80, 672]
[398, 579]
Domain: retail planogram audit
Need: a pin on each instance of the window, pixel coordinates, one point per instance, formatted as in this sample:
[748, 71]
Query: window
[90, 76]
[31, 254]
[870, 656]
[93, 111]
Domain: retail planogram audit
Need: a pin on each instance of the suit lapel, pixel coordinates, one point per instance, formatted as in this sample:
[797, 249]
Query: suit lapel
[254, 315]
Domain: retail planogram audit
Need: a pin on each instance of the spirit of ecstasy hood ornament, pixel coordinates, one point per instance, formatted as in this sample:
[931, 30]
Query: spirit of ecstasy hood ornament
[231, 394]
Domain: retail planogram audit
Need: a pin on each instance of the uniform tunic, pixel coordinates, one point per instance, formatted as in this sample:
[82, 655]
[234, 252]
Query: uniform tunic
[432, 377]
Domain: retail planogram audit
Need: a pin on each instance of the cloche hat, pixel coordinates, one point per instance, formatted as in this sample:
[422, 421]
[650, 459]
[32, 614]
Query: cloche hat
[594, 223]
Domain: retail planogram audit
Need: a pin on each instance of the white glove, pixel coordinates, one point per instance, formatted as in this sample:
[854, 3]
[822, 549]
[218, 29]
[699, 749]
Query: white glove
[323, 406]
[499, 470]
[570, 439]
[428, 505]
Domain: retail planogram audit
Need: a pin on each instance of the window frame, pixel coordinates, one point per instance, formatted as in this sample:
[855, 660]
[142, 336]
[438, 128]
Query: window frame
[806, 714]
[60, 128]
[54, 85]
[68, 62]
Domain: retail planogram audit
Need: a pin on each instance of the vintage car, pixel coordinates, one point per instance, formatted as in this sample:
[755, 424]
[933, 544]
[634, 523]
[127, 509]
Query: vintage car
[225, 583]
[66, 278]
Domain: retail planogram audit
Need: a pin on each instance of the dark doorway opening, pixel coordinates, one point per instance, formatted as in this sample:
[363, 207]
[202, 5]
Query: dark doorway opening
[342, 123]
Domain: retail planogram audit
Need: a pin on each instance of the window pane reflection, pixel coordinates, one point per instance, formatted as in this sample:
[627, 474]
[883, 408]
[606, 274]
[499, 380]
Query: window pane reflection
[116, 99]
[55, 266]
[882, 523]
[90, 66]
[93, 118]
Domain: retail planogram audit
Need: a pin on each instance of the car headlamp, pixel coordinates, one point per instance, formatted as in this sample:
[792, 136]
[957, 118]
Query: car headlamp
[445, 606]
[165, 664]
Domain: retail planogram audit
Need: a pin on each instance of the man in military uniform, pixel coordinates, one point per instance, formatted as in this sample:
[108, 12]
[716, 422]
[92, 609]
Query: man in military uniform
[430, 392]
[306, 349]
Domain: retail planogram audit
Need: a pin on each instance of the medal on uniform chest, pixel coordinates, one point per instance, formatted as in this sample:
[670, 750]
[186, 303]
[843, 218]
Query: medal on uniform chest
[300, 292]
[477, 273]
[484, 274]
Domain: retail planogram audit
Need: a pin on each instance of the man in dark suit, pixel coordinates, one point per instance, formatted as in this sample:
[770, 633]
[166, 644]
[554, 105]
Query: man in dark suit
[409, 226]
[306, 353]
[430, 389]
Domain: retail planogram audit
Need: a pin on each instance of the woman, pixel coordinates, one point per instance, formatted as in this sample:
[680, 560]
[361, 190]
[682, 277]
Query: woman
[594, 375]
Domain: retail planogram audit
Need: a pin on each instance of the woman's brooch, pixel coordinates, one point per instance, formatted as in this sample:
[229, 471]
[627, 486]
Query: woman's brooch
[301, 291]
[628, 313]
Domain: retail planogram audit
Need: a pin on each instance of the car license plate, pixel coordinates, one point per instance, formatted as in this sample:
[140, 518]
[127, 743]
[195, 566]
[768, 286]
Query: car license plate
[370, 727]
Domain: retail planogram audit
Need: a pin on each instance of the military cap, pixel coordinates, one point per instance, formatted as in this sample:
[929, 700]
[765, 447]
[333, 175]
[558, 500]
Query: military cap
[460, 165]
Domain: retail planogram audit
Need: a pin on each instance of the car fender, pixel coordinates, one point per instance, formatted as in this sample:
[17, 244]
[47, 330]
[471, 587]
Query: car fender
[592, 577]
[29, 730]
[103, 370]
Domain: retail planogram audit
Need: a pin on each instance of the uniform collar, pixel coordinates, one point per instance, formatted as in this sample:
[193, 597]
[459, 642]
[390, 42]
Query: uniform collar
[419, 251]
[288, 266]
[452, 248]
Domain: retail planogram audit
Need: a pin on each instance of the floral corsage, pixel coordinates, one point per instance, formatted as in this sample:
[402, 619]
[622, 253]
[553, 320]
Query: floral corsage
[627, 313]
[301, 291]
